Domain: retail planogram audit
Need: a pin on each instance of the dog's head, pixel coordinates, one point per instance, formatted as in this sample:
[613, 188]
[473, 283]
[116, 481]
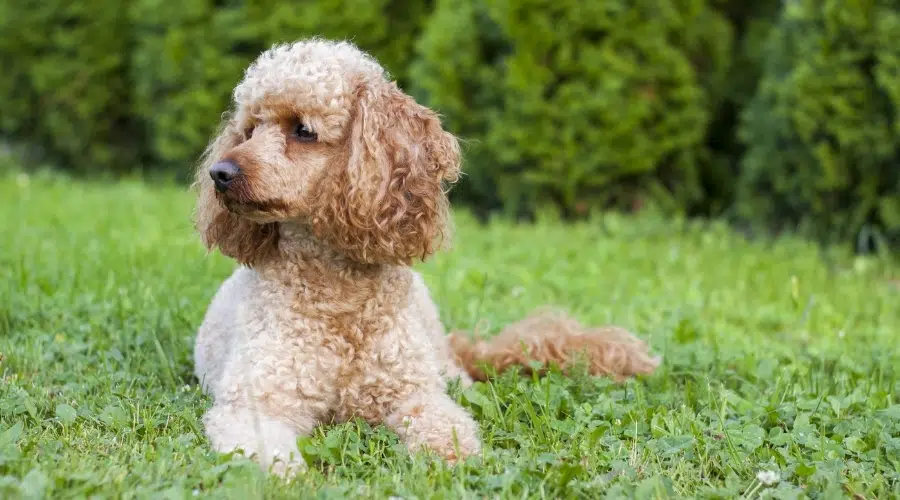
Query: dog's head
[318, 135]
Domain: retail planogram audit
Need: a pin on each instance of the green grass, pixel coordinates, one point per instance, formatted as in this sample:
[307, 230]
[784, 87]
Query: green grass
[778, 357]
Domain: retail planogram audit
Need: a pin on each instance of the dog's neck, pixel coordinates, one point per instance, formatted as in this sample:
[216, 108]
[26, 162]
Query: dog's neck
[298, 245]
[322, 275]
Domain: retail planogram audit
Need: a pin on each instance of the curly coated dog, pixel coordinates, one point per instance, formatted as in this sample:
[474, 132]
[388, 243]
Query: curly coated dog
[326, 183]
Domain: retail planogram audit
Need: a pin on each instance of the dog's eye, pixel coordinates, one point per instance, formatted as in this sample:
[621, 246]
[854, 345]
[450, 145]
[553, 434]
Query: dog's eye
[248, 132]
[303, 133]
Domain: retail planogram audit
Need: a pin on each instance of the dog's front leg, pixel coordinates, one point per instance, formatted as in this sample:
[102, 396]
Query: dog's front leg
[435, 422]
[270, 441]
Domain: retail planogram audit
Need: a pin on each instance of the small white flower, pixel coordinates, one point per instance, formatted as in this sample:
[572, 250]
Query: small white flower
[768, 477]
[841, 334]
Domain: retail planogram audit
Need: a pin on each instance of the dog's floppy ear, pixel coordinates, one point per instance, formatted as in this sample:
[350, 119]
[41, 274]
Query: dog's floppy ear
[384, 200]
[245, 241]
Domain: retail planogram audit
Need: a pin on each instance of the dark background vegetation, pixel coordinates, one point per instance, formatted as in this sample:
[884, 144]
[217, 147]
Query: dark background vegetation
[774, 115]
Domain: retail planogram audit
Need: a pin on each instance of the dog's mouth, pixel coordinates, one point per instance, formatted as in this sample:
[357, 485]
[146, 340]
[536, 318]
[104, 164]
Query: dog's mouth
[250, 210]
[241, 207]
[258, 211]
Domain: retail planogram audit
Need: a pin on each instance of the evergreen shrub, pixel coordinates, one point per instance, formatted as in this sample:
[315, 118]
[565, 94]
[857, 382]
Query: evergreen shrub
[64, 85]
[822, 133]
[575, 104]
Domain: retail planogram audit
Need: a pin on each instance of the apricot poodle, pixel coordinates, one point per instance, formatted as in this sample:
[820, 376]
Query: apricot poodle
[327, 183]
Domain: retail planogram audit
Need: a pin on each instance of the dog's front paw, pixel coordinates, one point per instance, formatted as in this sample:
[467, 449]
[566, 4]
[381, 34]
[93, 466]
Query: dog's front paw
[436, 423]
[268, 441]
[284, 466]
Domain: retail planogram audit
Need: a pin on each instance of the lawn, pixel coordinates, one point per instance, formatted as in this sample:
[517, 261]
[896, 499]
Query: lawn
[780, 362]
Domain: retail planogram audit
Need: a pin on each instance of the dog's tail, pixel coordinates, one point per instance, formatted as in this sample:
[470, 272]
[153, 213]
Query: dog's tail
[551, 337]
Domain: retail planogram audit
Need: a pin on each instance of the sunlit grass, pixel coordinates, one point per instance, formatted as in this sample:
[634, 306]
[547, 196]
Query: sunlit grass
[776, 359]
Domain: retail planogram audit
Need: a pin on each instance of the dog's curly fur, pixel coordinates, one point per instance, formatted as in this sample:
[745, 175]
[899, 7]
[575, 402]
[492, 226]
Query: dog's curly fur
[325, 320]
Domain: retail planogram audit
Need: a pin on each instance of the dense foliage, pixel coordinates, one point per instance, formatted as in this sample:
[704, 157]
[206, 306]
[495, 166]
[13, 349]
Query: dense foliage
[823, 130]
[772, 112]
[64, 83]
[574, 104]
[183, 68]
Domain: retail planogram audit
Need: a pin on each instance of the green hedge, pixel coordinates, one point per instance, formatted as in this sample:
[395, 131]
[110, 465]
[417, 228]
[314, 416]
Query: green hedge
[185, 63]
[781, 113]
[64, 84]
[750, 24]
[576, 104]
[823, 132]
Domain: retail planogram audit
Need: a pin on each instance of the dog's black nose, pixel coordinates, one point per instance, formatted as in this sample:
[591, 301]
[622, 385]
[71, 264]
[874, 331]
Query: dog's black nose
[223, 173]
